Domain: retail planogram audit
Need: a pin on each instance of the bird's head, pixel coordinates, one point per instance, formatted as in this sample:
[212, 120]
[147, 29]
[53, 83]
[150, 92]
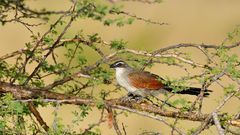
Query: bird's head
[119, 64]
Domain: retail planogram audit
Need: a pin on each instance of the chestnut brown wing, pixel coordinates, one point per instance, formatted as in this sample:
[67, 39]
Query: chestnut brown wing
[145, 80]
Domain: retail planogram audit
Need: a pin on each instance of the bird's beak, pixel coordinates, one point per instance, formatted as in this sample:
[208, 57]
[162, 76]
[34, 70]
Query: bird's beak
[112, 66]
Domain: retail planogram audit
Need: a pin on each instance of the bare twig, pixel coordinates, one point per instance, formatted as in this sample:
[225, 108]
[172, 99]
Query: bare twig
[217, 123]
[114, 121]
[150, 116]
[139, 18]
[37, 116]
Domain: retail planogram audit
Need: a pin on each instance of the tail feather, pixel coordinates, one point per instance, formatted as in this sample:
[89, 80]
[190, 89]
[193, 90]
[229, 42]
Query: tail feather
[191, 91]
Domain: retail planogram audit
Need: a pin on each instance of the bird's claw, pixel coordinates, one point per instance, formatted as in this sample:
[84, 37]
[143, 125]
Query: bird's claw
[132, 98]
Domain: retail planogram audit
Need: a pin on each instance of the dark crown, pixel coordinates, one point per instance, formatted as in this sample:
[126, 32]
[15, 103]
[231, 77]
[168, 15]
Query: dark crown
[119, 64]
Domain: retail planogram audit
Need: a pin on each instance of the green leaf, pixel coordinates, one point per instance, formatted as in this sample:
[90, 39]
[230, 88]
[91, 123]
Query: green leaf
[2, 124]
[130, 20]
[100, 103]
[17, 107]
[94, 38]
[229, 89]
[81, 60]
[118, 44]
[3, 68]
[108, 22]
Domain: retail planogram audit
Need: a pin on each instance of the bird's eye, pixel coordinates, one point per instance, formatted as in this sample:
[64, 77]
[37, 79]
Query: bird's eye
[119, 64]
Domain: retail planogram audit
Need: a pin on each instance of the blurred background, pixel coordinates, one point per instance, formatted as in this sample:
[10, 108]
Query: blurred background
[190, 21]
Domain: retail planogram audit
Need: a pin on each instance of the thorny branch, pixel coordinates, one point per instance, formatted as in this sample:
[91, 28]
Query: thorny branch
[44, 92]
[27, 95]
[50, 96]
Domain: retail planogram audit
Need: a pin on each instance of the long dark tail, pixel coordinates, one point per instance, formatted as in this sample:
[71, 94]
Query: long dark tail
[191, 91]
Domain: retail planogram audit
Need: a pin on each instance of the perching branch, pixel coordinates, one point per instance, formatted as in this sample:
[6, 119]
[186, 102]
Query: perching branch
[27, 94]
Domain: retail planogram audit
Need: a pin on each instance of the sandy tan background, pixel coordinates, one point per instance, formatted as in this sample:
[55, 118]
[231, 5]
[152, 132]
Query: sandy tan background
[191, 21]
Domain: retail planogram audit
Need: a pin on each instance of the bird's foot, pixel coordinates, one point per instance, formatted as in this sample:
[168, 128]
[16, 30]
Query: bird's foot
[132, 98]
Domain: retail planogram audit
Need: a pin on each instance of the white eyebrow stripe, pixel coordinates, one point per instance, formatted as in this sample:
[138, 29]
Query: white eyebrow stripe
[119, 63]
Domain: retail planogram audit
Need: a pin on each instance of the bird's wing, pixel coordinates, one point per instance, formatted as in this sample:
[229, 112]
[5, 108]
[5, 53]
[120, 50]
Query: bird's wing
[145, 80]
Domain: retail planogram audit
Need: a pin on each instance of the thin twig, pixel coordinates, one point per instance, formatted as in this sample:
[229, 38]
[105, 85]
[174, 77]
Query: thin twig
[114, 121]
[217, 123]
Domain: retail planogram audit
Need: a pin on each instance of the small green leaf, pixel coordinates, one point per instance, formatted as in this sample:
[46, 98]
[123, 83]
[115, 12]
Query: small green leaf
[229, 89]
[130, 20]
[100, 104]
[118, 44]
[17, 107]
[108, 22]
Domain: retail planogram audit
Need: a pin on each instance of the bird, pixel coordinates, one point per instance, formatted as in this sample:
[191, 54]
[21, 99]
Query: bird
[143, 83]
